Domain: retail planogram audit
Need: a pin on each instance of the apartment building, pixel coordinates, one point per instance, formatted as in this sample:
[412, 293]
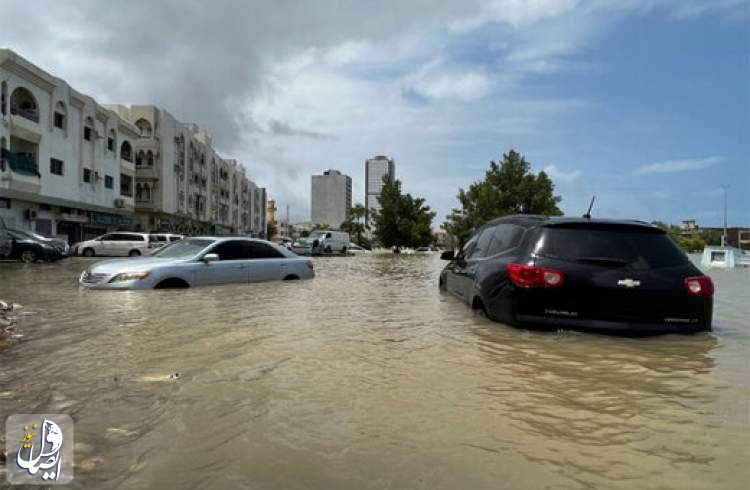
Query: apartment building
[331, 198]
[72, 167]
[66, 162]
[375, 169]
[183, 185]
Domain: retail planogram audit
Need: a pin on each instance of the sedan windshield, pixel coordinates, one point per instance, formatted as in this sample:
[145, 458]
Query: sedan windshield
[183, 249]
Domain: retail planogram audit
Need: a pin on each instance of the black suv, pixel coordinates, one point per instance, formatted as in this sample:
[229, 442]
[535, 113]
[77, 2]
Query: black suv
[579, 273]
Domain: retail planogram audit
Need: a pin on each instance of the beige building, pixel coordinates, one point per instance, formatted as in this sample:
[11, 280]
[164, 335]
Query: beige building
[183, 185]
[72, 167]
[66, 162]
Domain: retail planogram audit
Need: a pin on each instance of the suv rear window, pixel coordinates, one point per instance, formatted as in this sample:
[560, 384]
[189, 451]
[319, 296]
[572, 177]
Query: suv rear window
[626, 246]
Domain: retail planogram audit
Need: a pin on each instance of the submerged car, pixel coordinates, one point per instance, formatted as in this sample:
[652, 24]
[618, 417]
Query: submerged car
[582, 274]
[29, 247]
[200, 261]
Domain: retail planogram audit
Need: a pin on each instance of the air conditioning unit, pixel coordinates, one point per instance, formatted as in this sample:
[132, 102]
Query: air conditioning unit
[119, 202]
[30, 214]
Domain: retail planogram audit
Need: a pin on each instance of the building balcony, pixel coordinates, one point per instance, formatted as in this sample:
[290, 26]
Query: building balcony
[146, 172]
[128, 166]
[31, 115]
[19, 175]
[147, 143]
[25, 128]
[145, 204]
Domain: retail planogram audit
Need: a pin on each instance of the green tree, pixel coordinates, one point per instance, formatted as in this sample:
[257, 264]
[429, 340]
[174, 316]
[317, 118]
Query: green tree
[508, 187]
[353, 224]
[690, 242]
[403, 220]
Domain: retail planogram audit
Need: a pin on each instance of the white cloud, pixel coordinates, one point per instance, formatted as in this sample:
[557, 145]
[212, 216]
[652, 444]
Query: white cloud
[558, 175]
[671, 166]
[459, 86]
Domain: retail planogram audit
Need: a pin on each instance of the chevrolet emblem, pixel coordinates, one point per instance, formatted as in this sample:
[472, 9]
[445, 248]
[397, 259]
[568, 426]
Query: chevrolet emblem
[629, 283]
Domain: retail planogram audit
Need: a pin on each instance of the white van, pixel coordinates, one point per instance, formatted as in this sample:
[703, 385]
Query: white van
[323, 242]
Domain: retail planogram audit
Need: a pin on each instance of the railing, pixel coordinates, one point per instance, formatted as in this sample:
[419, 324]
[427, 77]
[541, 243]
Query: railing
[21, 163]
[25, 113]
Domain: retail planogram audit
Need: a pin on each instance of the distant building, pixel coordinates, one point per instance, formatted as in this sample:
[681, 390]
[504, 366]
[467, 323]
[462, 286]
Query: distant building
[331, 198]
[271, 212]
[375, 169]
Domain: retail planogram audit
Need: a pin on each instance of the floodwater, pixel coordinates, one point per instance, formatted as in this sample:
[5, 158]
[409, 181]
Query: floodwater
[367, 378]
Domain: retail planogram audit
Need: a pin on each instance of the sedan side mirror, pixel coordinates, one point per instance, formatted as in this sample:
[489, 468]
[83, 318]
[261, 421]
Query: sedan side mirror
[448, 255]
[210, 258]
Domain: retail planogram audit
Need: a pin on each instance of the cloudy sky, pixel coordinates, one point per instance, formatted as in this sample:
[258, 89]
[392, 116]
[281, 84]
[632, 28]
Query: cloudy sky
[645, 103]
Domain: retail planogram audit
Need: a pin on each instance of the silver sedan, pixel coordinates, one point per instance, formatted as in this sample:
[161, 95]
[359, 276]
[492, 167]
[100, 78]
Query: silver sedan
[200, 261]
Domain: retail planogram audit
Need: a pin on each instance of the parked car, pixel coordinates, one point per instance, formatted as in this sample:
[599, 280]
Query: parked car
[60, 244]
[24, 246]
[355, 249]
[584, 274]
[323, 242]
[157, 240]
[5, 242]
[119, 243]
[200, 261]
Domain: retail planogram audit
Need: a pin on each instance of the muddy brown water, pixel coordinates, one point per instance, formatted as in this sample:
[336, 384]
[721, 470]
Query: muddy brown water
[366, 378]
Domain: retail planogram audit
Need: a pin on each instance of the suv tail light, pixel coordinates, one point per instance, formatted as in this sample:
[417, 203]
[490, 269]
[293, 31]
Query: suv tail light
[699, 286]
[310, 265]
[529, 276]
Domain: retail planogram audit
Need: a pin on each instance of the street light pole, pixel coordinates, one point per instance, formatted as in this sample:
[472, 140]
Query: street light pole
[724, 236]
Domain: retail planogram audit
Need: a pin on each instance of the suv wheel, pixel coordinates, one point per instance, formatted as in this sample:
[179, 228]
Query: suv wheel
[28, 256]
[88, 252]
[327, 250]
[343, 251]
[134, 253]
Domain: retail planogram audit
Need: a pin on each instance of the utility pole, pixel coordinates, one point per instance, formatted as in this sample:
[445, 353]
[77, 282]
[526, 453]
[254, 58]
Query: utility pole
[287, 221]
[724, 235]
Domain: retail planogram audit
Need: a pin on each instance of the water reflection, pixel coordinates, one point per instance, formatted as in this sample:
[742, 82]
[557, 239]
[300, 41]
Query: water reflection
[366, 377]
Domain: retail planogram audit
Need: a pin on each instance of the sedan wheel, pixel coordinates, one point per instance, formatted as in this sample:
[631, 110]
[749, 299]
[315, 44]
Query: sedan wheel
[28, 256]
[89, 252]
[134, 253]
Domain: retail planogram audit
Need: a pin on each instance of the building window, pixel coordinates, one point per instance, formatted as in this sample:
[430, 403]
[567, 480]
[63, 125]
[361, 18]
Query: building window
[144, 127]
[55, 166]
[87, 175]
[126, 152]
[3, 97]
[126, 185]
[23, 103]
[109, 182]
[59, 116]
[59, 120]
[111, 140]
[87, 133]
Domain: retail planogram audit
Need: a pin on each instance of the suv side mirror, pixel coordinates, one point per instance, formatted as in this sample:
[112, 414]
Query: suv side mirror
[210, 258]
[448, 255]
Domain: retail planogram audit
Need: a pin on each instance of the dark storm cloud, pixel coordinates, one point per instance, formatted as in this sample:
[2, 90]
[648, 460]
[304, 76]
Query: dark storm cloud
[283, 129]
[200, 60]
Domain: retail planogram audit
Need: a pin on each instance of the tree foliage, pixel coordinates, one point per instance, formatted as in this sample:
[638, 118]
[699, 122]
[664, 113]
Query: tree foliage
[403, 220]
[690, 242]
[354, 224]
[508, 187]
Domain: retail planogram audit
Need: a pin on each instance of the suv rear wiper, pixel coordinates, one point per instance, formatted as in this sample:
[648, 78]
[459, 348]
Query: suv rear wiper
[603, 260]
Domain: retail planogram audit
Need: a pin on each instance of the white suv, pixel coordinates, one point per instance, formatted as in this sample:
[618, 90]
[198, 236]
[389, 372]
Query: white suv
[119, 243]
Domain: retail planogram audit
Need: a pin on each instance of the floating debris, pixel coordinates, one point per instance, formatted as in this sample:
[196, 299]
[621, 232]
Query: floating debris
[8, 321]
